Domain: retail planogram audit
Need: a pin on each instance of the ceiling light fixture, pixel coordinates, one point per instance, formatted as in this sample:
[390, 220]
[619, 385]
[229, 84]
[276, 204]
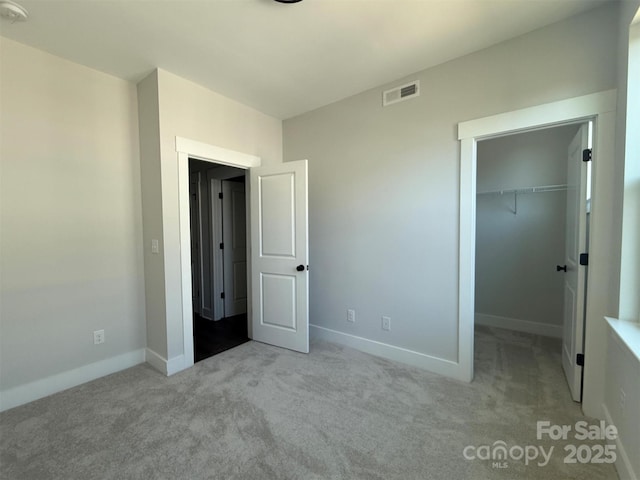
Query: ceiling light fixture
[288, 1]
[12, 11]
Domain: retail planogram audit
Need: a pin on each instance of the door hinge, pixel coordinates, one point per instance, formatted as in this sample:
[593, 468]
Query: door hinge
[222, 295]
[580, 359]
[586, 155]
[220, 195]
[584, 259]
[222, 246]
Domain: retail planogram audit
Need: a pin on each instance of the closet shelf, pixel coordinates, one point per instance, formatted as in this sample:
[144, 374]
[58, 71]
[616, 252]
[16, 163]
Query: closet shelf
[518, 191]
[539, 189]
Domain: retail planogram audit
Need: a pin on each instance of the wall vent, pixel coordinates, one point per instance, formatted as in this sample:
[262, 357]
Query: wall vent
[401, 93]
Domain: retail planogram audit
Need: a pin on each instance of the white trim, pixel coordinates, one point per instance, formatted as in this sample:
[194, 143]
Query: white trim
[220, 155]
[627, 334]
[546, 115]
[599, 107]
[155, 360]
[16, 396]
[467, 252]
[185, 260]
[527, 326]
[186, 149]
[177, 364]
[167, 367]
[437, 365]
[623, 464]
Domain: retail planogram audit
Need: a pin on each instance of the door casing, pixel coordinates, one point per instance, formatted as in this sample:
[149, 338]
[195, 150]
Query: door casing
[601, 109]
[186, 149]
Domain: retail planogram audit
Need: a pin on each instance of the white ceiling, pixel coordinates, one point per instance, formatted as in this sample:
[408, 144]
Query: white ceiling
[280, 59]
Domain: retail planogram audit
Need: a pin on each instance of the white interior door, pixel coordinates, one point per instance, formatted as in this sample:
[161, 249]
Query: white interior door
[575, 275]
[235, 247]
[279, 255]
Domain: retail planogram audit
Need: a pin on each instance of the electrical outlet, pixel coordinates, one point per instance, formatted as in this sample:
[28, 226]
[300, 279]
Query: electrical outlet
[351, 315]
[386, 323]
[98, 337]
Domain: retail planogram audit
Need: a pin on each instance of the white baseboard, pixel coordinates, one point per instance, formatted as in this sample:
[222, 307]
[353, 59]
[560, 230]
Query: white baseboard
[156, 361]
[391, 352]
[526, 326]
[37, 389]
[166, 367]
[623, 464]
[207, 313]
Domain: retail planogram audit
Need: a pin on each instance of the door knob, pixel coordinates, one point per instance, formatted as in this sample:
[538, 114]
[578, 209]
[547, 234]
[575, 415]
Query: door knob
[300, 268]
[561, 268]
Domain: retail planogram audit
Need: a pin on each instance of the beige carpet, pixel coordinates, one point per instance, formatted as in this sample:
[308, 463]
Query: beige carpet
[259, 412]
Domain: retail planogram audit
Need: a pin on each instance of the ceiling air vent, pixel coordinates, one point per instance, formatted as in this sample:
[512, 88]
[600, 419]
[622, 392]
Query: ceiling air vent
[401, 93]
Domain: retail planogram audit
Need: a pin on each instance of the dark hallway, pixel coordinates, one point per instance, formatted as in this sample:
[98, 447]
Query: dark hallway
[211, 338]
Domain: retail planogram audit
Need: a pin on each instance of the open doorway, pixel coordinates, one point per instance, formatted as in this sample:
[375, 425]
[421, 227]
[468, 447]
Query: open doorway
[277, 224]
[218, 216]
[532, 214]
[600, 108]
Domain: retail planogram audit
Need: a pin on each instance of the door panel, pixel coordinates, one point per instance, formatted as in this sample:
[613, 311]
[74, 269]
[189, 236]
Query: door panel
[569, 312]
[279, 239]
[277, 220]
[278, 301]
[575, 276]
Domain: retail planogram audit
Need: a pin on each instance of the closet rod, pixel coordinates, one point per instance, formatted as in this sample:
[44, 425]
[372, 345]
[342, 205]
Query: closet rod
[540, 189]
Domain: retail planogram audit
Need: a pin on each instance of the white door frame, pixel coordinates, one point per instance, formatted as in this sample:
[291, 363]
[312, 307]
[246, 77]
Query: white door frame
[209, 153]
[598, 107]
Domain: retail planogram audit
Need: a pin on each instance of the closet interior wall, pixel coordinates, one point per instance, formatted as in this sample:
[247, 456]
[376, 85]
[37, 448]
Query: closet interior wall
[520, 235]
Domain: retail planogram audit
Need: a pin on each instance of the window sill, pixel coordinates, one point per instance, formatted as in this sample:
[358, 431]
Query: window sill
[628, 334]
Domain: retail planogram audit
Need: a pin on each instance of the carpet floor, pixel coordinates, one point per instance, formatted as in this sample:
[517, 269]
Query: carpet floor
[260, 412]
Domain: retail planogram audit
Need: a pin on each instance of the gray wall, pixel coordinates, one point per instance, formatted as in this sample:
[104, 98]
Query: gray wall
[71, 234]
[622, 368]
[384, 182]
[629, 145]
[149, 127]
[516, 254]
[178, 107]
[623, 375]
